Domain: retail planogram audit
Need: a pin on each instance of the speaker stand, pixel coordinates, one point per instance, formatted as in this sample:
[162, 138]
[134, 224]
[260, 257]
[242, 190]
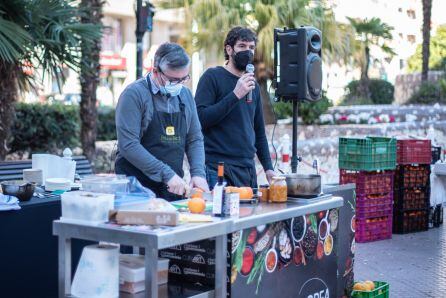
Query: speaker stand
[294, 158]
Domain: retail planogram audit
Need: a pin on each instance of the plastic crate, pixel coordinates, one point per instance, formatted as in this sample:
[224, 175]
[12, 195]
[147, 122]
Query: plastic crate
[368, 182]
[411, 198]
[369, 202]
[436, 154]
[367, 154]
[412, 176]
[410, 221]
[414, 152]
[374, 211]
[373, 229]
[382, 290]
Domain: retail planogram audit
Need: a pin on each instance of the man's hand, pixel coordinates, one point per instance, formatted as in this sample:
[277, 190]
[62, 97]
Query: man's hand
[199, 182]
[176, 185]
[245, 84]
[269, 175]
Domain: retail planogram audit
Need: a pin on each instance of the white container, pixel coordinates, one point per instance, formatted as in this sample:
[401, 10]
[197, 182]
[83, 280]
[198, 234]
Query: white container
[232, 204]
[104, 183]
[132, 272]
[86, 206]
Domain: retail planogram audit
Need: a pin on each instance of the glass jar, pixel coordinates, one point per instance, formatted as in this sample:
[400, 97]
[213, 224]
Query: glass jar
[278, 190]
[264, 190]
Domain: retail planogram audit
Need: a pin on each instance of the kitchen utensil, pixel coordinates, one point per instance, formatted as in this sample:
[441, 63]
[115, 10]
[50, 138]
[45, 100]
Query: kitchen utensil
[18, 188]
[302, 185]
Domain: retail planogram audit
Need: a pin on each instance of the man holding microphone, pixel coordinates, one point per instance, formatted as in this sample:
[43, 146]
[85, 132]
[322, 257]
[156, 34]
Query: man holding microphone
[230, 111]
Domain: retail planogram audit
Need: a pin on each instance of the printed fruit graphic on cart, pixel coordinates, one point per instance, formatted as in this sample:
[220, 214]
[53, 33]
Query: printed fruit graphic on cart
[196, 205]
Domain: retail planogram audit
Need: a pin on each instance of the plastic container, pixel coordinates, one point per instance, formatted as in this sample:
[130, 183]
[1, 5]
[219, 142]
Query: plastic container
[414, 152]
[372, 201]
[373, 229]
[411, 221]
[375, 211]
[381, 291]
[367, 154]
[86, 206]
[368, 182]
[412, 176]
[412, 198]
[436, 154]
[104, 183]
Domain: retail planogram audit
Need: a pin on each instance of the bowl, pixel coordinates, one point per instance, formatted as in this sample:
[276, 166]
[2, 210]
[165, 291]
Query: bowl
[20, 189]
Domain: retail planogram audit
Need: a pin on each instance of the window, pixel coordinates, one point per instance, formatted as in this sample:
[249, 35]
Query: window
[112, 37]
[411, 14]
[411, 38]
[400, 9]
[401, 63]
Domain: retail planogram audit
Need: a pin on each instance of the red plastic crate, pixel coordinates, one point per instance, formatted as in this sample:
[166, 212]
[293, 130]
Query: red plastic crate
[412, 176]
[368, 182]
[412, 198]
[373, 229]
[413, 152]
[368, 202]
[411, 221]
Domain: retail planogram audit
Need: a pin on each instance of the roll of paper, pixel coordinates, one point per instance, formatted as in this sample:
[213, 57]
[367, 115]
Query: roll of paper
[97, 274]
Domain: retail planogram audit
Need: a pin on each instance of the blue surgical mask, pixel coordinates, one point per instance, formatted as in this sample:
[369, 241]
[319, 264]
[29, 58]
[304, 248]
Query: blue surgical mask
[173, 90]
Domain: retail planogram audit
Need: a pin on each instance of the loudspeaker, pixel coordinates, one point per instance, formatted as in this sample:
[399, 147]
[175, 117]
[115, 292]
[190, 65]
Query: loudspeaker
[298, 64]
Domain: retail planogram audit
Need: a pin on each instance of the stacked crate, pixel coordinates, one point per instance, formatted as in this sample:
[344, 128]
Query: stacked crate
[369, 163]
[412, 186]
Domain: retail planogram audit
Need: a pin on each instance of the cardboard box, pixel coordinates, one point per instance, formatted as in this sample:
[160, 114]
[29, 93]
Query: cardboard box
[144, 217]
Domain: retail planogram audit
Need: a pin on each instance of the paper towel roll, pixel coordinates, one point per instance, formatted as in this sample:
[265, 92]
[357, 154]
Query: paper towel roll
[97, 274]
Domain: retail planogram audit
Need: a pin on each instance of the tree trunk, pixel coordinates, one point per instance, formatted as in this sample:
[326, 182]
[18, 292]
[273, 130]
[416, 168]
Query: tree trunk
[89, 80]
[427, 11]
[8, 96]
[268, 113]
[364, 81]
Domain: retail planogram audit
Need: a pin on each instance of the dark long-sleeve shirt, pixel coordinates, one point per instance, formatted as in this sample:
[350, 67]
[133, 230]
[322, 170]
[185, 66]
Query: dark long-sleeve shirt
[234, 130]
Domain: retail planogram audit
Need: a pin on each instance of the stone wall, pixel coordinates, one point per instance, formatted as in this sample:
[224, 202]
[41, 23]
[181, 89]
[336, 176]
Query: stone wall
[407, 84]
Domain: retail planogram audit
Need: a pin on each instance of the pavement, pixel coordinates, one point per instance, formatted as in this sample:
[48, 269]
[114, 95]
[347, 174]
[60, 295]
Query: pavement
[413, 264]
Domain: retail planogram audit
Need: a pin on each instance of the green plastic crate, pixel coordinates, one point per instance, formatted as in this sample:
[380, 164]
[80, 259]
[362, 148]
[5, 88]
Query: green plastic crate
[381, 291]
[367, 154]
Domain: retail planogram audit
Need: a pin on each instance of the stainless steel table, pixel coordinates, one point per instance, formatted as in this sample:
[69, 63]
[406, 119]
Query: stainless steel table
[156, 238]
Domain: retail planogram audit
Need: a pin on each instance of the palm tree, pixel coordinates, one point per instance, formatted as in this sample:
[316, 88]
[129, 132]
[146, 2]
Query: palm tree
[89, 79]
[370, 33]
[208, 22]
[43, 33]
[427, 11]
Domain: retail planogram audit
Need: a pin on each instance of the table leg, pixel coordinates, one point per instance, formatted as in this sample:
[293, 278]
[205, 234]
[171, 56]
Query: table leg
[151, 264]
[221, 248]
[64, 266]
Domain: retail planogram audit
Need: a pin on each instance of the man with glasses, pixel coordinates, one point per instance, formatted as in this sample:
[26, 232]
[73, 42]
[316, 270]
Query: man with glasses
[233, 125]
[157, 123]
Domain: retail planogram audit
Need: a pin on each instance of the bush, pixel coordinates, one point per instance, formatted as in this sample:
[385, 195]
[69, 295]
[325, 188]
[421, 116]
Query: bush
[430, 93]
[309, 112]
[106, 124]
[47, 128]
[381, 92]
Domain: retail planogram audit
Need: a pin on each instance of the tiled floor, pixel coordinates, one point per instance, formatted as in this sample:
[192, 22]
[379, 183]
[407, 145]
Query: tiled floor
[413, 264]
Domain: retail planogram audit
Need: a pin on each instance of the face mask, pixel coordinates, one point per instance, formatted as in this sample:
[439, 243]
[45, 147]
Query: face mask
[242, 58]
[173, 90]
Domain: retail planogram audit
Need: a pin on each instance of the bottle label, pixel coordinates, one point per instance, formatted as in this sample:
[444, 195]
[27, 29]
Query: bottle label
[217, 206]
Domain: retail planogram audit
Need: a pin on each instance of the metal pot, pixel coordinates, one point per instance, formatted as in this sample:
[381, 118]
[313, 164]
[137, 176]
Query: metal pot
[21, 189]
[300, 185]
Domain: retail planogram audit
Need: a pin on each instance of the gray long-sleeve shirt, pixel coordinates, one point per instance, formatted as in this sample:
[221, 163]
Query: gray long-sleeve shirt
[133, 115]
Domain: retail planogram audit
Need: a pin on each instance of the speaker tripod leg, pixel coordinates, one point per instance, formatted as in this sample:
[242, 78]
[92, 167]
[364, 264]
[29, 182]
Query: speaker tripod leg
[294, 158]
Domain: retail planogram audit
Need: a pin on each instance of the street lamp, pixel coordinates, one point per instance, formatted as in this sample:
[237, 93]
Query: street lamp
[144, 22]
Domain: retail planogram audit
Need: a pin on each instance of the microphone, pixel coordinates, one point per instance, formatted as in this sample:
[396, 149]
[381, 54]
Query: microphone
[249, 69]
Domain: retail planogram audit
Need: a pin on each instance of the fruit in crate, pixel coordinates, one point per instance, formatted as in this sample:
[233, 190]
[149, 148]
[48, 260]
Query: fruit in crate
[196, 205]
[366, 286]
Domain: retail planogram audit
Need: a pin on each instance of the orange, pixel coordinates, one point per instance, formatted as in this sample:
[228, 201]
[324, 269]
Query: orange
[370, 285]
[197, 194]
[196, 205]
[360, 287]
[246, 193]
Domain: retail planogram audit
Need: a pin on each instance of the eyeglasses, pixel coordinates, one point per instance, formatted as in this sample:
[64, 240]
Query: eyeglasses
[175, 81]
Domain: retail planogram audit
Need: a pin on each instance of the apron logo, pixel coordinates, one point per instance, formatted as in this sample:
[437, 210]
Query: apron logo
[170, 130]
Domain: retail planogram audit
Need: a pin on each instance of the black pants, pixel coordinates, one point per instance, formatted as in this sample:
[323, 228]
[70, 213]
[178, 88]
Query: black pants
[234, 175]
